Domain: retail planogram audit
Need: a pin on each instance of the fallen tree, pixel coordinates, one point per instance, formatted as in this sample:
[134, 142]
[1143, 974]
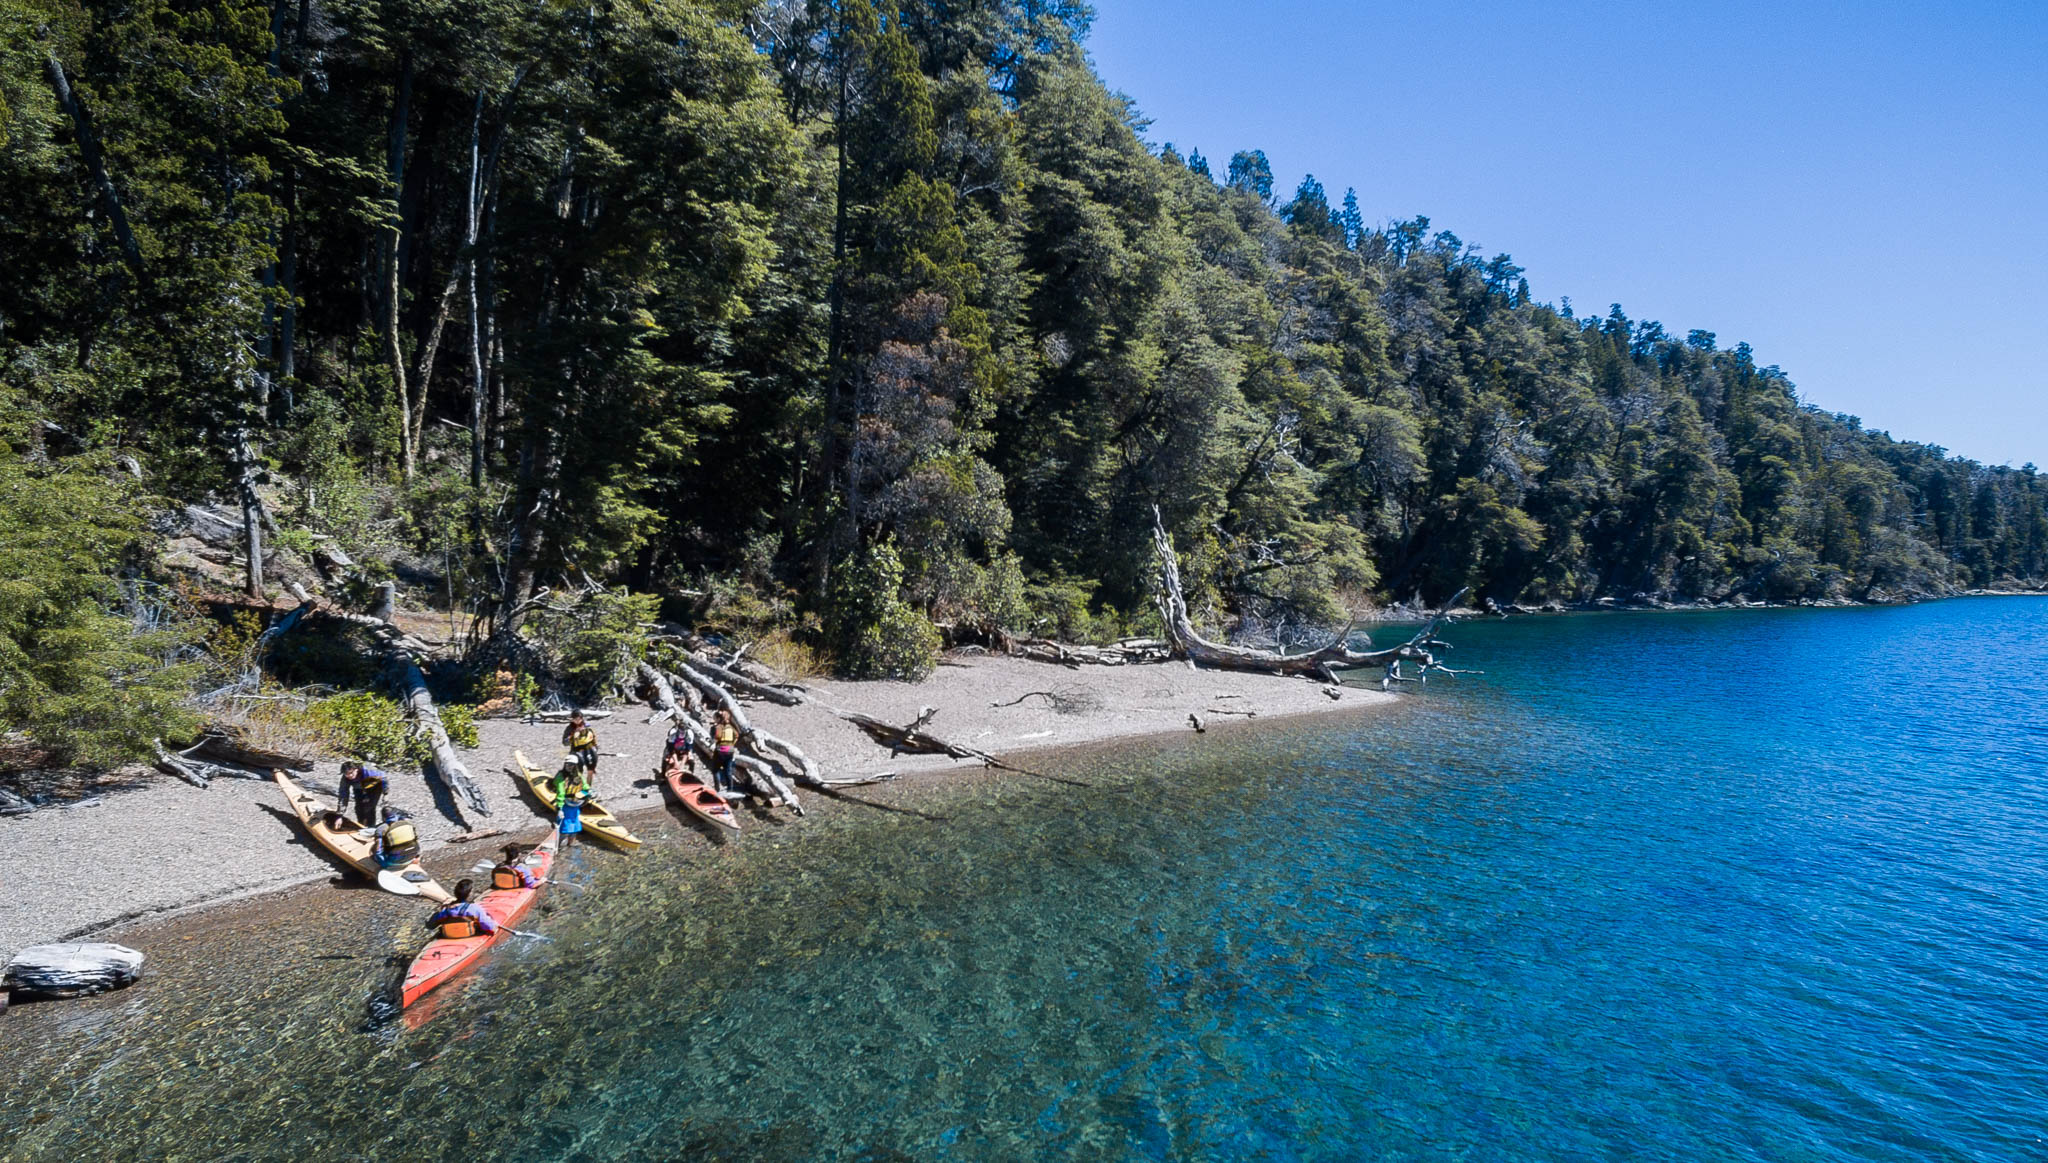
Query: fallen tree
[913, 738]
[1320, 663]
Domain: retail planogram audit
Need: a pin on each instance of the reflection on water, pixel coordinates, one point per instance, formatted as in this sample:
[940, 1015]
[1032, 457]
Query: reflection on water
[1626, 894]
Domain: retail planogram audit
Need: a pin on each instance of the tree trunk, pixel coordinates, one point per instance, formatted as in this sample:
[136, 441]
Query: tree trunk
[95, 162]
[252, 516]
[401, 108]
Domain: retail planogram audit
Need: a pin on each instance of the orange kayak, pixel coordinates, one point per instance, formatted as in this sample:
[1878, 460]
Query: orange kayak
[444, 957]
[692, 794]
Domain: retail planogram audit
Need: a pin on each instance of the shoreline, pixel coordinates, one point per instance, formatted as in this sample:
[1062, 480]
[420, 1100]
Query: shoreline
[165, 849]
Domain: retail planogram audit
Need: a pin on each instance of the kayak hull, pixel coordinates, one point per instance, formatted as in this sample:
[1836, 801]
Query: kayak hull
[701, 801]
[360, 852]
[597, 819]
[443, 958]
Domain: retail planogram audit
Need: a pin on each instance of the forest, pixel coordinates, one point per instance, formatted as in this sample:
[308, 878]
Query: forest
[860, 327]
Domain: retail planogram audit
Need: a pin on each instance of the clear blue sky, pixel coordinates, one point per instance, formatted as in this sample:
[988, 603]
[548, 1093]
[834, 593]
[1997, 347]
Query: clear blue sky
[1860, 191]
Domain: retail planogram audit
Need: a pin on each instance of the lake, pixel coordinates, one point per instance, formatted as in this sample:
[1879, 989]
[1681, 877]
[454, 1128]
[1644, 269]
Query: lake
[1760, 885]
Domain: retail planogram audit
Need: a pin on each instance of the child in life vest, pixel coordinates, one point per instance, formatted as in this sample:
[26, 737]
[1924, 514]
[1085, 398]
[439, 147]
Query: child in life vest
[398, 842]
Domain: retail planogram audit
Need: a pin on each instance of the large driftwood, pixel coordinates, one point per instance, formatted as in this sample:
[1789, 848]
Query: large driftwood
[1128, 652]
[222, 745]
[405, 674]
[71, 970]
[912, 737]
[1320, 663]
[734, 679]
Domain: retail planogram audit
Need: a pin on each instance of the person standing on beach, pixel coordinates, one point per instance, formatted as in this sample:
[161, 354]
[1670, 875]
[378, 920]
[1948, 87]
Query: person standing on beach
[581, 741]
[725, 740]
[571, 787]
[367, 785]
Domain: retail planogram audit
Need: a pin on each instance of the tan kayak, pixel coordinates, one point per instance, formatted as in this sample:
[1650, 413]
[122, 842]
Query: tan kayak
[597, 821]
[359, 850]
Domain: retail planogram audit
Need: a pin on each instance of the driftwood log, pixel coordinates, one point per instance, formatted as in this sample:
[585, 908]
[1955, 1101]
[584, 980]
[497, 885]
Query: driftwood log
[224, 745]
[913, 738]
[72, 969]
[1321, 663]
[404, 672]
[782, 696]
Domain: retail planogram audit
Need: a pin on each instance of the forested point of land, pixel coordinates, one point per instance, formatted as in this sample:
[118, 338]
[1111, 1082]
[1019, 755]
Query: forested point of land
[820, 318]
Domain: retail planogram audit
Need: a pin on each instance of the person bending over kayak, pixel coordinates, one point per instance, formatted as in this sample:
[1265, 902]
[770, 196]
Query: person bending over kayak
[581, 741]
[463, 918]
[398, 842]
[724, 743]
[367, 785]
[511, 873]
[571, 788]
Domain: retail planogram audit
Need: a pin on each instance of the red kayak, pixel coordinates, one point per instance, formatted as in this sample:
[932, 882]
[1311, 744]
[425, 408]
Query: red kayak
[692, 793]
[444, 957]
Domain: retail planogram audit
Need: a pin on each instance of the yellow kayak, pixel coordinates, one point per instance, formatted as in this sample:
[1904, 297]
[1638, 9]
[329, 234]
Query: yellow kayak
[597, 821]
[351, 844]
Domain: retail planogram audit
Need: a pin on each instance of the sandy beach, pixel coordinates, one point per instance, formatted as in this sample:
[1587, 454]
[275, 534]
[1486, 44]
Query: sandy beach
[69, 872]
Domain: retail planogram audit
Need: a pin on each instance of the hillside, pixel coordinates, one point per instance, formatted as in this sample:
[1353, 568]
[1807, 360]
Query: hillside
[823, 321]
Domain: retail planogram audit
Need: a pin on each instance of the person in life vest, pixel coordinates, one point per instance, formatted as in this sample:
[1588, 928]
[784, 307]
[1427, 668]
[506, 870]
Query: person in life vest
[725, 740]
[511, 872]
[463, 918]
[680, 753]
[571, 787]
[398, 841]
[367, 786]
[581, 741]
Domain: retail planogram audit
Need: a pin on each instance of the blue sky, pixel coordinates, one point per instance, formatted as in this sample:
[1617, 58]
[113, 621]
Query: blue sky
[1860, 191]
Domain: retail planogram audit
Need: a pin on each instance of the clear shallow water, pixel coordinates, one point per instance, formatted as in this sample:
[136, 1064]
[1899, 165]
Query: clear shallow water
[1760, 885]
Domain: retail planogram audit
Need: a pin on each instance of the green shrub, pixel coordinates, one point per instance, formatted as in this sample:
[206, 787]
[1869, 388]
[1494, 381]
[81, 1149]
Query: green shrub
[459, 720]
[372, 727]
[875, 633]
[362, 725]
[596, 642]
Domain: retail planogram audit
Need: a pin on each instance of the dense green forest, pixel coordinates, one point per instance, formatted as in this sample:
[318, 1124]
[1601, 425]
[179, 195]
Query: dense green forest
[858, 318]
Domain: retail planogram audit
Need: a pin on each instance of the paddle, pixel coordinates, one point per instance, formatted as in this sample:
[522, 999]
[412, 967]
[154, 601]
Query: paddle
[390, 880]
[524, 933]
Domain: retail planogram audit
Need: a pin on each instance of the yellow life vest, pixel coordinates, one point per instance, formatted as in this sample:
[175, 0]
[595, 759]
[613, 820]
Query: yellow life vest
[583, 738]
[401, 837]
[726, 735]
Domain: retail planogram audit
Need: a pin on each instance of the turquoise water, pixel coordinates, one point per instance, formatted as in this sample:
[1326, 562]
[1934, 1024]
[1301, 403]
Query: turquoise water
[1744, 885]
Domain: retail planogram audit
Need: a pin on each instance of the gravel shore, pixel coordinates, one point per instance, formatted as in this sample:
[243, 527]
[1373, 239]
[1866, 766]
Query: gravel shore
[167, 846]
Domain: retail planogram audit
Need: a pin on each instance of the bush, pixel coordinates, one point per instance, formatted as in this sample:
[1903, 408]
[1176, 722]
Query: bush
[361, 725]
[873, 631]
[596, 642]
[369, 726]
